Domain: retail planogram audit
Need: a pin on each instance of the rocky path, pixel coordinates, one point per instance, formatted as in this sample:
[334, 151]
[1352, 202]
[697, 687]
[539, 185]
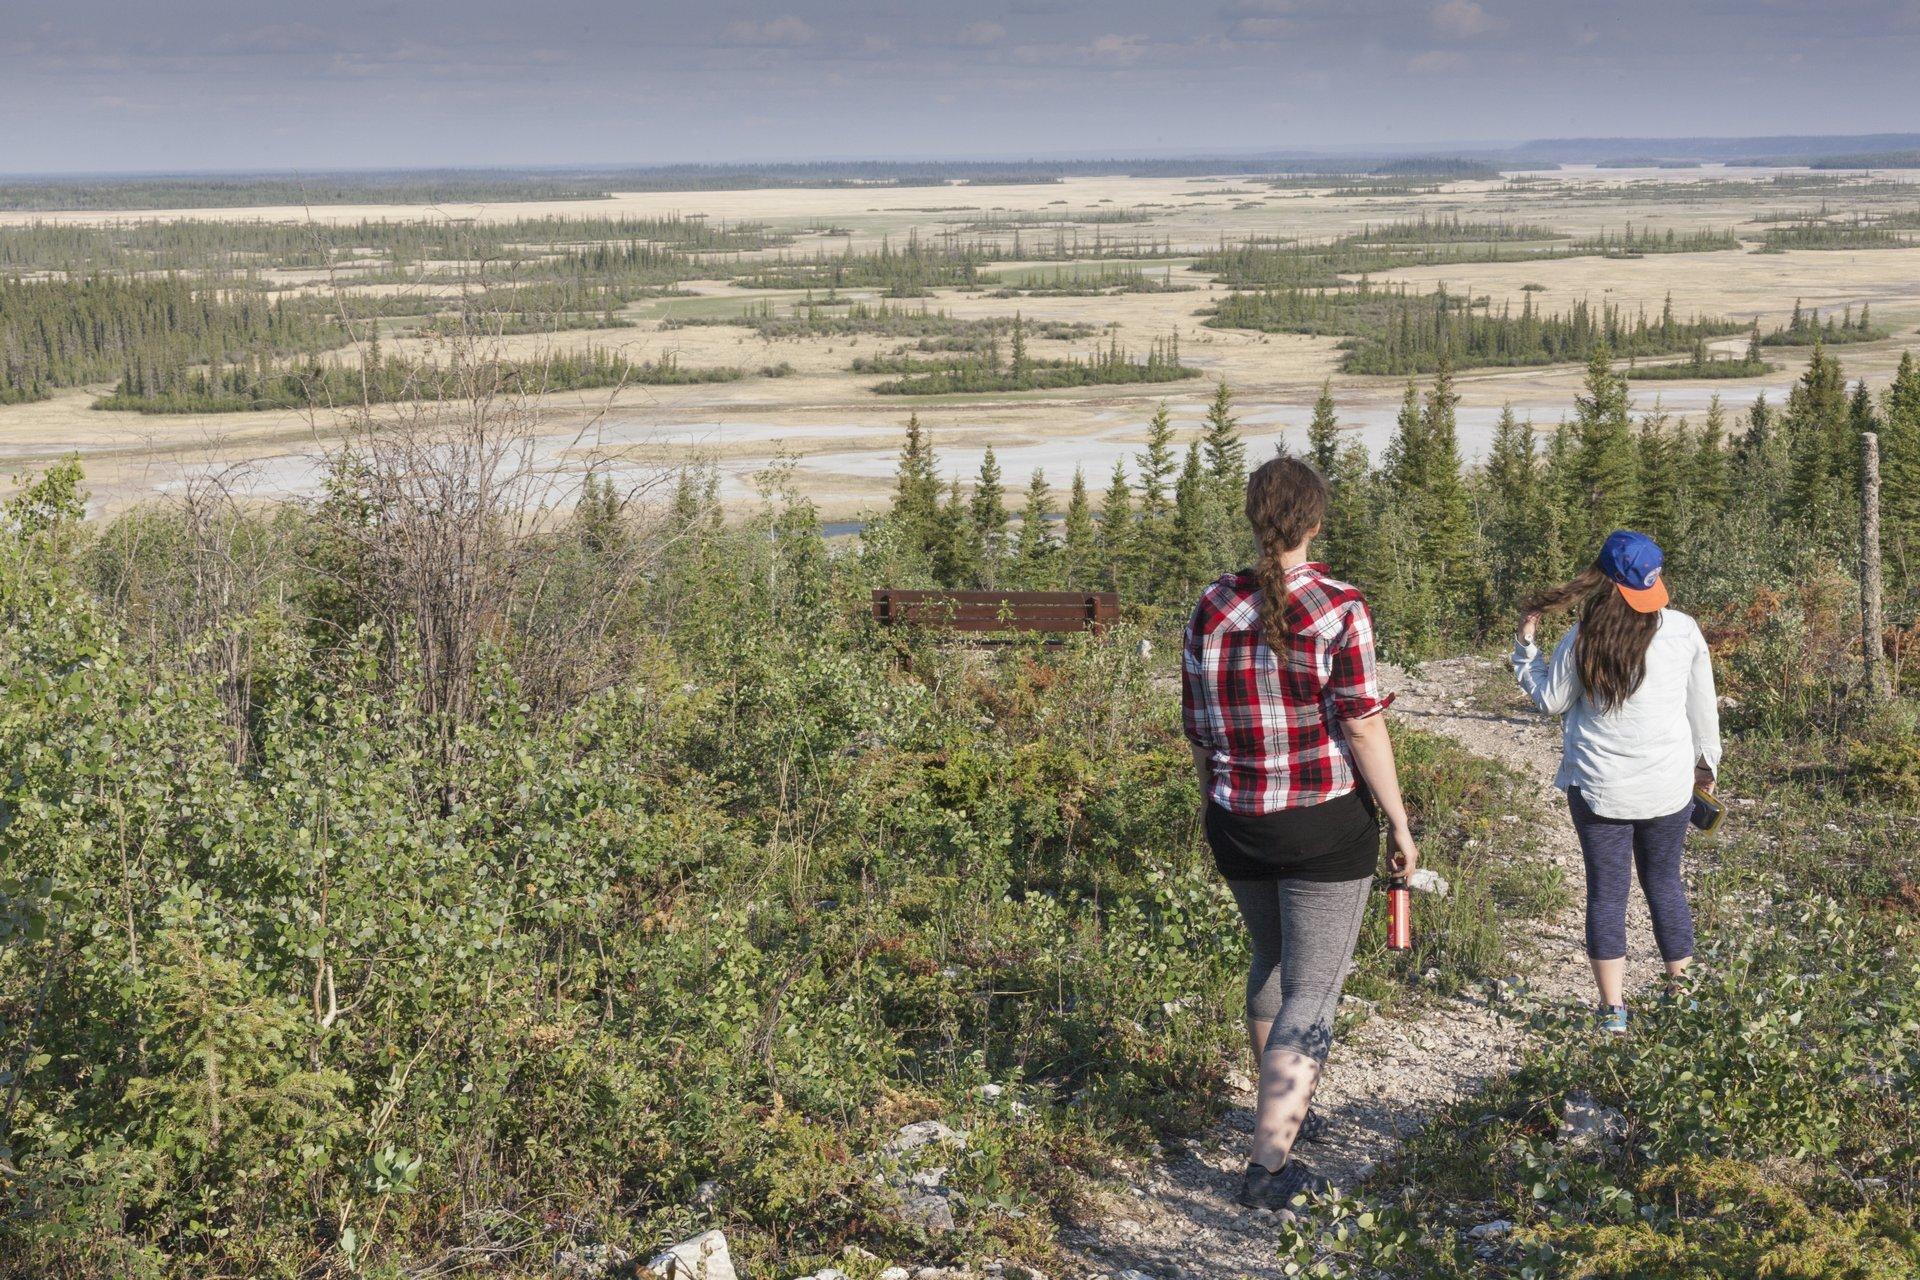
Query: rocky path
[1179, 1218]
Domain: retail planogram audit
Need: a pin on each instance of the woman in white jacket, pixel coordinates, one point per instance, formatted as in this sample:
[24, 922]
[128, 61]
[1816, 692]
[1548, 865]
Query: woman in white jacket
[1633, 681]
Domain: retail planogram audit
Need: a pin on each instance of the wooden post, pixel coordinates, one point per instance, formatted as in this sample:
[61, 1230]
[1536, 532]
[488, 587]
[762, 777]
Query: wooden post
[1872, 623]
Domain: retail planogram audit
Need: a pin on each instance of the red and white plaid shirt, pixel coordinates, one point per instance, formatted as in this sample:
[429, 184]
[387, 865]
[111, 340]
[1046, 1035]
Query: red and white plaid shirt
[1265, 715]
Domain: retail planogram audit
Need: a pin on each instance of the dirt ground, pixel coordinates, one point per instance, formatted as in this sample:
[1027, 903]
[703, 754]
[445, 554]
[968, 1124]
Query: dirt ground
[841, 436]
[1179, 1217]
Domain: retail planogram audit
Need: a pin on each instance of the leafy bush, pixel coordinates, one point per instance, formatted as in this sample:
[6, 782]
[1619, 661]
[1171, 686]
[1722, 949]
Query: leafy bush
[294, 978]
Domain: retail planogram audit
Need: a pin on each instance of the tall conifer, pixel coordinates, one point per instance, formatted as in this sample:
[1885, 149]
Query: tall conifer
[1323, 433]
[1036, 546]
[1900, 475]
[1603, 462]
[1079, 539]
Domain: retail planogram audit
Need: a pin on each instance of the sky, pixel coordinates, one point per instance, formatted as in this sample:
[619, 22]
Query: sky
[168, 85]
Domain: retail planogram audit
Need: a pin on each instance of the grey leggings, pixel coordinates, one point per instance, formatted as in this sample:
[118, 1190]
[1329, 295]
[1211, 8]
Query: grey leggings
[1303, 933]
[1613, 848]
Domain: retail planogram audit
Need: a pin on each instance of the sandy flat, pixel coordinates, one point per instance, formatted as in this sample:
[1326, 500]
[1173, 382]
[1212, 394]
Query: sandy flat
[842, 435]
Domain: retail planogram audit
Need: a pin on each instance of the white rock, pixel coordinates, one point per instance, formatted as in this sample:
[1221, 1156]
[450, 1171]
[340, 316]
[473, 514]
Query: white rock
[896, 1273]
[1427, 880]
[1490, 1230]
[914, 1136]
[705, 1257]
[1131, 1274]
[928, 1210]
[1584, 1122]
[589, 1261]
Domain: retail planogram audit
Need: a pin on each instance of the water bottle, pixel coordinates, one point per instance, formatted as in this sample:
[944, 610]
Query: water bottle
[1399, 915]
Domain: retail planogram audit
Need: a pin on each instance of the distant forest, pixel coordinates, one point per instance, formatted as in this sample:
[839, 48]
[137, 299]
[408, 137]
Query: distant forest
[592, 182]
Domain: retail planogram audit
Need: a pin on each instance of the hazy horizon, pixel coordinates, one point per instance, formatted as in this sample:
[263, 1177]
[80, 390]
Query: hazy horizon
[214, 85]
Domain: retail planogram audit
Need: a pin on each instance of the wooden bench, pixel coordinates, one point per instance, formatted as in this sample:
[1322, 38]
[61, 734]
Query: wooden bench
[986, 612]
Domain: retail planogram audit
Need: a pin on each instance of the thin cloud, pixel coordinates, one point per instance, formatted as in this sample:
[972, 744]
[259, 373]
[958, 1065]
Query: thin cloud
[788, 31]
[980, 34]
[1123, 50]
[1434, 60]
[1462, 19]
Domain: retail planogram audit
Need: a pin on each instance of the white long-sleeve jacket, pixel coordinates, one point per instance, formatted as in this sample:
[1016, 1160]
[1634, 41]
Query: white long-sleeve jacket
[1635, 760]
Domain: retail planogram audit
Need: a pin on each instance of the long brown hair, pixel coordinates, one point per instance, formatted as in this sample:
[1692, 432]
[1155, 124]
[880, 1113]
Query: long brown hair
[1286, 501]
[1611, 651]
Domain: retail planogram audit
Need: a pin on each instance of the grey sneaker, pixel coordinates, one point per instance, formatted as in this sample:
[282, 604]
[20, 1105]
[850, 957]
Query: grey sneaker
[1313, 1128]
[1262, 1188]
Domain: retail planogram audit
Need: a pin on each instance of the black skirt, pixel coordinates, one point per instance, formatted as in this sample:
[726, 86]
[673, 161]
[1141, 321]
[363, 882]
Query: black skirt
[1336, 840]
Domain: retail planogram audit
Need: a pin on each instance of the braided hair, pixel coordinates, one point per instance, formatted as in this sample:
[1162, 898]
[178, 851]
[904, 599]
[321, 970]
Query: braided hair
[1286, 502]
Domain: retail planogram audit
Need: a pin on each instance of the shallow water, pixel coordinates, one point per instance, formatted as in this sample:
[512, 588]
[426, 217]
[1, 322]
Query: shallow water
[872, 449]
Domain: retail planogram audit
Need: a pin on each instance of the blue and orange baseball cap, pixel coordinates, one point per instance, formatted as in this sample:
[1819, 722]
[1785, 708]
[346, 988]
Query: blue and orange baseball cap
[1632, 562]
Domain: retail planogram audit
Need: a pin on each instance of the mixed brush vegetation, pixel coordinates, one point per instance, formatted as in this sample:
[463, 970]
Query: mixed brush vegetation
[397, 879]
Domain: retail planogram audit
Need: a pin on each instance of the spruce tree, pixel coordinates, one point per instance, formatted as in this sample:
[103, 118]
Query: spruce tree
[1708, 481]
[1563, 521]
[1191, 548]
[1079, 538]
[1346, 543]
[1900, 476]
[1225, 453]
[1513, 504]
[1323, 433]
[1036, 546]
[988, 512]
[1446, 509]
[956, 544]
[1153, 551]
[916, 489]
[1861, 419]
[1405, 461]
[1819, 446]
[1660, 482]
[1157, 465]
[1603, 462]
[1117, 533]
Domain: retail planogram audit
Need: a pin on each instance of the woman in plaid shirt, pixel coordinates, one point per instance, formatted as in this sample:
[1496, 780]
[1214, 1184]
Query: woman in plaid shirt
[1283, 709]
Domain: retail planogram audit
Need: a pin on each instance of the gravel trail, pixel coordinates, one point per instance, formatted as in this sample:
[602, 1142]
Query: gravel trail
[1179, 1217]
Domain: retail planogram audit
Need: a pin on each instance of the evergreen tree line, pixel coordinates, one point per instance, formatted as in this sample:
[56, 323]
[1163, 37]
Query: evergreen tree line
[243, 247]
[991, 220]
[1020, 371]
[1395, 331]
[918, 267]
[1067, 282]
[1394, 246]
[238, 387]
[1805, 328]
[1833, 235]
[1445, 551]
[824, 319]
[1153, 535]
[64, 332]
[1702, 363]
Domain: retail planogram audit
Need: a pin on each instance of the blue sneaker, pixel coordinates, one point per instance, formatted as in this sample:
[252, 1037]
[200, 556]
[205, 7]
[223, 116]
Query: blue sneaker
[1611, 1018]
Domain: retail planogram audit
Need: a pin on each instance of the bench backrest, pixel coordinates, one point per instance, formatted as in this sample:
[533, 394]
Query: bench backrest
[1047, 611]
